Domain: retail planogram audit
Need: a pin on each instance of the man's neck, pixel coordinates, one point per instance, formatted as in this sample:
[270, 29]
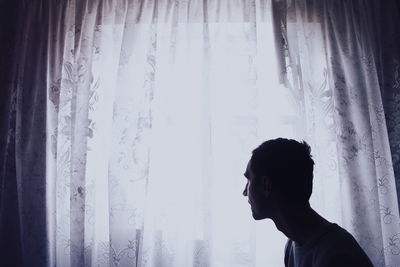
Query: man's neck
[299, 223]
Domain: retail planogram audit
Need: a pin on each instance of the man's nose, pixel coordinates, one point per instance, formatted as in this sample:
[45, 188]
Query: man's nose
[245, 191]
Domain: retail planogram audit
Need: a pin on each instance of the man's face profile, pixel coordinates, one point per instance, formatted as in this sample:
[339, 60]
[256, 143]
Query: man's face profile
[258, 194]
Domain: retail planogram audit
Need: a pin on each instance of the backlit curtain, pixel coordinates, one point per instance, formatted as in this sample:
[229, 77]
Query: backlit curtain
[129, 125]
[341, 60]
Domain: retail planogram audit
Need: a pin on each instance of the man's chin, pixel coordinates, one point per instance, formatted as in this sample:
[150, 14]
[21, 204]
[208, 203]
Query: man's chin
[258, 216]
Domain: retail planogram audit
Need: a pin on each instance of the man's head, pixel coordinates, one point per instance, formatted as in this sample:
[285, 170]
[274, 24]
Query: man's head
[279, 173]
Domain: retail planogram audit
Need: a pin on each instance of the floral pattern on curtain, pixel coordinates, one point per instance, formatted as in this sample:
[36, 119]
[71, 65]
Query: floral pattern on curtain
[331, 56]
[130, 124]
[143, 115]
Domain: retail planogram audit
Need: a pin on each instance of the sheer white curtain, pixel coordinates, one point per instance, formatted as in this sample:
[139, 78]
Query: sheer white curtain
[153, 110]
[131, 123]
[331, 57]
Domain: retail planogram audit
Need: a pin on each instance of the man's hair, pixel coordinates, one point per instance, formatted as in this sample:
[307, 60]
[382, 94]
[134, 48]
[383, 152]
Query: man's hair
[289, 165]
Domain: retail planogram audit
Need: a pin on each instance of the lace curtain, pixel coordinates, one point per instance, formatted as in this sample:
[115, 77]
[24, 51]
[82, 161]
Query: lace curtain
[132, 123]
[129, 125]
[341, 61]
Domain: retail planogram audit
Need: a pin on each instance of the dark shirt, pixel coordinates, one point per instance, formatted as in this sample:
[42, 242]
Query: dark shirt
[331, 247]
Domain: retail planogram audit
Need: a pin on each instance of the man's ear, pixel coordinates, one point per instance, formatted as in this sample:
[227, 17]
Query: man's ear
[266, 184]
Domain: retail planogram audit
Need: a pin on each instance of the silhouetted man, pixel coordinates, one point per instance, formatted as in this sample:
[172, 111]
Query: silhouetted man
[279, 185]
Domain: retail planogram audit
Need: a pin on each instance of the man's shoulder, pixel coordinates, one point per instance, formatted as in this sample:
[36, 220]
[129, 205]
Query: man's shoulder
[337, 237]
[333, 247]
[338, 246]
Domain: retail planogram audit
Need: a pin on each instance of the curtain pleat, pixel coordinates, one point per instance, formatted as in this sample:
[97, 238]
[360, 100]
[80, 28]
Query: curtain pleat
[126, 126]
[359, 98]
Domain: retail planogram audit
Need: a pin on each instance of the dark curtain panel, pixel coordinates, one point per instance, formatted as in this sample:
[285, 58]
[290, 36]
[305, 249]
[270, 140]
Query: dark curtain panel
[388, 23]
[10, 246]
[23, 149]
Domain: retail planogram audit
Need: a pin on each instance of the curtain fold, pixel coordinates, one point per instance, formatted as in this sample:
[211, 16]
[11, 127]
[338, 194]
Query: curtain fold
[9, 216]
[353, 50]
[128, 151]
[127, 125]
[388, 64]
[23, 174]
